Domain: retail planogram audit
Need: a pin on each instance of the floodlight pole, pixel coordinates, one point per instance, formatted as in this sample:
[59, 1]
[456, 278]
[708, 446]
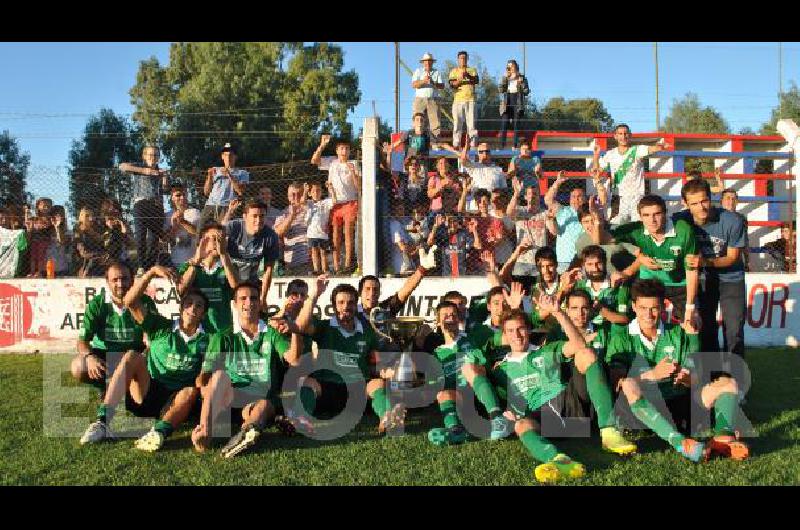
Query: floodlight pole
[655, 57]
[396, 87]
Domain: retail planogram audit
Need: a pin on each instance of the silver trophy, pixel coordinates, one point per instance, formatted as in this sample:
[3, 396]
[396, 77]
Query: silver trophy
[398, 332]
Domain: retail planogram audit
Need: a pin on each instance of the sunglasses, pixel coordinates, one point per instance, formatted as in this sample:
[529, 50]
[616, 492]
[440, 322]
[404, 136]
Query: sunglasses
[483, 151]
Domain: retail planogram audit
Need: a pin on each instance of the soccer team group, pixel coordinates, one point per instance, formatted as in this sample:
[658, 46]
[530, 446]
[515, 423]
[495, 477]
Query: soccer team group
[569, 345]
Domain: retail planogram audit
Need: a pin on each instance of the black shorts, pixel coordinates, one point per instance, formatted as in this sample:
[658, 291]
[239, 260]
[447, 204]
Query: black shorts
[155, 401]
[676, 410]
[333, 398]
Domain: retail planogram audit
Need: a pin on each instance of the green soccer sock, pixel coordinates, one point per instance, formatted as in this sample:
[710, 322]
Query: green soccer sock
[725, 414]
[657, 423]
[448, 409]
[380, 402]
[485, 393]
[538, 447]
[164, 427]
[308, 399]
[600, 395]
[105, 413]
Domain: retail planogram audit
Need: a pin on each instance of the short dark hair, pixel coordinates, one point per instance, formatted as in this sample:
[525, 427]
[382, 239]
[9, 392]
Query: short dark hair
[545, 253]
[480, 192]
[176, 186]
[579, 293]
[515, 314]
[343, 288]
[120, 265]
[462, 52]
[593, 251]
[494, 291]
[297, 283]
[249, 284]
[650, 288]
[444, 305]
[449, 295]
[417, 114]
[620, 125]
[364, 280]
[409, 161]
[254, 204]
[342, 142]
[695, 186]
[583, 211]
[651, 200]
[212, 225]
[525, 142]
[729, 190]
[195, 292]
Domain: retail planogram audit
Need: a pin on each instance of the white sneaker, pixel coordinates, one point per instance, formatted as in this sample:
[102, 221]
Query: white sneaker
[150, 442]
[96, 432]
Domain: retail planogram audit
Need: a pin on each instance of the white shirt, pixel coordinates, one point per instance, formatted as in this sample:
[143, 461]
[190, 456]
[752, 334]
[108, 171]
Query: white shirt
[632, 184]
[339, 176]
[317, 216]
[185, 244]
[398, 234]
[426, 91]
[485, 176]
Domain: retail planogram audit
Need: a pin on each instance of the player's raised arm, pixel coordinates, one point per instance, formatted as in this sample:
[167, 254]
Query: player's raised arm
[304, 320]
[132, 298]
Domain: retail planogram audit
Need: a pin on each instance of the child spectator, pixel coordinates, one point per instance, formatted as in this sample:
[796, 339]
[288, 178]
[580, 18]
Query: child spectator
[92, 257]
[318, 214]
[181, 226]
[416, 184]
[417, 140]
[40, 233]
[59, 247]
[454, 243]
[526, 167]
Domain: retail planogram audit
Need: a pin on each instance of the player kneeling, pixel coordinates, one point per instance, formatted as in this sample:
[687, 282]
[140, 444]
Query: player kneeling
[667, 349]
[159, 382]
[242, 372]
[531, 378]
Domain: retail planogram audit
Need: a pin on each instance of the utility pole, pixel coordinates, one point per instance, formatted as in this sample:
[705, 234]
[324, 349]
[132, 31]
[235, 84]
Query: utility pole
[780, 79]
[524, 59]
[655, 56]
[396, 87]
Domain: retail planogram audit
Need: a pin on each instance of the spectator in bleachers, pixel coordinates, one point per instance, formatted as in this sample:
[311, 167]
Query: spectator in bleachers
[318, 214]
[13, 244]
[513, 89]
[181, 223]
[497, 209]
[292, 228]
[463, 80]
[483, 174]
[60, 246]
[253, 246]
[265, 194]
[115, 230]
[454, 242]
[222, 185]
[784, 249]
[491, 230]
[40, 234]
[149, 183]
[416, 183]
[418, 142]
[92, 258]
[427, 81]
[346, 180]
[404, 251]
[526, 167]
[563, 222]
[729, 200]
[529, 221]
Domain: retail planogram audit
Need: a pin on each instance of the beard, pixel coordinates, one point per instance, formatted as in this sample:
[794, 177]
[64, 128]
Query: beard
[596, 276]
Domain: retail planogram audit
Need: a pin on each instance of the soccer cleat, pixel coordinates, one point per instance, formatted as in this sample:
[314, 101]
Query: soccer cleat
[694, 450]
[438, 436]
[559, 468]
[615, 442]
[240, 441]
[501, 428]
[291, 425]
[454, 435]
[96, 432]
[393, 419]
[150, 442]
[729, 447]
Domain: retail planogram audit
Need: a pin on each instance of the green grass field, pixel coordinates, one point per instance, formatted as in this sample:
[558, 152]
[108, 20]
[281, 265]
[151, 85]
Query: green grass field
[35, 455]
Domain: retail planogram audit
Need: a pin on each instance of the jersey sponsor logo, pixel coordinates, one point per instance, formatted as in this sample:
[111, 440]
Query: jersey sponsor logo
[251, 367]
[345, 360]
[120, 334]
[668, 265]
[538, 363]
[675, 249]
[176, 361]
[526, 382]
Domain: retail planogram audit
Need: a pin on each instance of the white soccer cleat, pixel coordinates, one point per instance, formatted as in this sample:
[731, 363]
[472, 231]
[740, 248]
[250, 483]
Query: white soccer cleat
[150, 442]
[96, 432]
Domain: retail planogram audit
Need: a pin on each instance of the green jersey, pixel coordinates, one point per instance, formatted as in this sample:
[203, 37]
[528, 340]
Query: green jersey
[254, 365]
[110, 328]
[348, 351]
[670, 253]
[672, 341]
[453, 356]
[532, 379]
[174, 359]
[214, 284]
[617, 299]
[598, 341]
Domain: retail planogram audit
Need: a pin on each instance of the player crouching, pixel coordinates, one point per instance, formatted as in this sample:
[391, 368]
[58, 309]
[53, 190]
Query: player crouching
[161, 381]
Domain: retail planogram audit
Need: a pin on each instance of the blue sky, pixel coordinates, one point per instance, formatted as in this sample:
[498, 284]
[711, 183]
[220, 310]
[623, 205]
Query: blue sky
[50, 89]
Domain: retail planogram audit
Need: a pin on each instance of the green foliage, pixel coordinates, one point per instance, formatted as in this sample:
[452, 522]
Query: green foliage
[13, 171]
[269, 99]
[788, 107]
[689, 116]
[574, 115]
[108, 140]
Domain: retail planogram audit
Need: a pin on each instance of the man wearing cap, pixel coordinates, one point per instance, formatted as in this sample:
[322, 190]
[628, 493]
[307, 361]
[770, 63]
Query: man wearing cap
[223, 184]
[149, 183]
[426, 81]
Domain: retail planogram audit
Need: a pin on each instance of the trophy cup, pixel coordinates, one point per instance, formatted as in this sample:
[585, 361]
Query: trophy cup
[399, 331]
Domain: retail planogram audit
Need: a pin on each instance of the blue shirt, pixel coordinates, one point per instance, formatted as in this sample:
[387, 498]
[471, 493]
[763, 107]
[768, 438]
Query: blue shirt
[723, 229]
[249, 252]
[221, 191]
[526, 170]
[569, 230]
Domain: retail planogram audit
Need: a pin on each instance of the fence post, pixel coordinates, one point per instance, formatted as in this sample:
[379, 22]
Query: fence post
[369, 192]
[791, 132]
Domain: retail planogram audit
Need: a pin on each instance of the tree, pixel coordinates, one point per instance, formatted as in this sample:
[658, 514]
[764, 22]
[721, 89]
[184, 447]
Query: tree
[13, 172]
[689, 116]
[574, 115]
[270, 99]
[108, 140]
[788, 107]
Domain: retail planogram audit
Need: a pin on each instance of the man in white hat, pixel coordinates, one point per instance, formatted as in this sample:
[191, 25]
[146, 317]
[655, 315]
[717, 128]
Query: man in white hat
[426, 81]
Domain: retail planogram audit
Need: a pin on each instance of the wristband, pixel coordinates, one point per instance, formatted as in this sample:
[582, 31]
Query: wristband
[690, 306]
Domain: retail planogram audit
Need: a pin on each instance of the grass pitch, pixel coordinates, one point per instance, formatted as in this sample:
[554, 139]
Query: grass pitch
[39, 444]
